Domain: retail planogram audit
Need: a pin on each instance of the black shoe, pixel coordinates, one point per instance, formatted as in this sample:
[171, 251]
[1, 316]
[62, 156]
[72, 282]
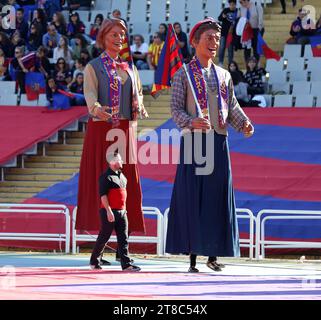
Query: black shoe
[132, 268]
[283, 12]
[221, 265]
[213, 265]
[193, 270]
[104, 262]
[95, 267]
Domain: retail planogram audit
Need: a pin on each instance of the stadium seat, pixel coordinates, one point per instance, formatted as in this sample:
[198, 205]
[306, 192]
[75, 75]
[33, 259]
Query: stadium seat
[315, 76]
[157, 11]
[301, 87]
[295, 64]
[177, 11]
[315, 88]
[283, 101]
[195, 12]
[83, 15]
[277, 77]
[8, 86]
[292, 51]
[138, 11]
[308, 51]
[122, 5]
[313, 64]
[8, 99]
[318, 101]
[280, 88]
[140, 28]
[146, 77]
[27, 103]
[273, 65]
[304, 100]
[103, 5]
[42, 101]
[214, 8]
[298, 76]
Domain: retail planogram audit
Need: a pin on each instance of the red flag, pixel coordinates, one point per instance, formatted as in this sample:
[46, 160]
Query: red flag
[229, 39]
[169, 62]
[316, 45]
[247, 33]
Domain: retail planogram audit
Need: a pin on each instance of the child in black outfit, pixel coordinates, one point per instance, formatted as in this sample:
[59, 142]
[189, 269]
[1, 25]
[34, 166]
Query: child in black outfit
[113, 214]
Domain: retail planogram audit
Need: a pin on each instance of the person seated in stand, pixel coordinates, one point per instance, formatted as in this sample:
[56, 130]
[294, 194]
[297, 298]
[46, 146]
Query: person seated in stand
[51, 39]
[113, 214]
[154, 51]
[254, 77]
[139, 51]
[62, 74]
[77, 87]
[96, 26]
[182, 41]
[4, 63]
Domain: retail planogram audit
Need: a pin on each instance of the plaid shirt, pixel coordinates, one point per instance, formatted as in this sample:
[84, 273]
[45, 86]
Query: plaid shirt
[236, 116]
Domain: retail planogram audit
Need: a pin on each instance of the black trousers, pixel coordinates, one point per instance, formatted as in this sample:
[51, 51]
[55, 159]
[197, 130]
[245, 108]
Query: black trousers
[283, 4]
[247, 52]
[193, 257]
[106, 228]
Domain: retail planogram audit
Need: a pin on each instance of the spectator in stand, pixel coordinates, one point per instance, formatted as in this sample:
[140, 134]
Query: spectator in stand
[254, 14]
[299, 34]
[52, 7]
[4, 63]
[94, 50]
[40, 18]
[59, 21]
[29, 6]
[51, 39]
[21, 24]
[162, 30]
[140, 51]
[62, 74]
[228, 18]
[96, 26]
[75, 26]
[6, 45]
[234, 69]
[77, 87]
[80, 44]
[80, 65]
[182, 41]
[35, 38]
[16, 40]
[63, 51]
[254, 77]
[283, 4]
[42, 62]
[18, 69]
[84, 54]
[154, 51]
[117, 14]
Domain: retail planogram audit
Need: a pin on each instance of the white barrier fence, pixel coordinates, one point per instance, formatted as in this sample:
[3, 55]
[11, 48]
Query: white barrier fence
[241, 214]
[39, 209]
[268, 215]
[158, 239]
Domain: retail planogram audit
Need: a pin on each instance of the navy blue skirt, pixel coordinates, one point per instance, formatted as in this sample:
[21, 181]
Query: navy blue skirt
[202, 218]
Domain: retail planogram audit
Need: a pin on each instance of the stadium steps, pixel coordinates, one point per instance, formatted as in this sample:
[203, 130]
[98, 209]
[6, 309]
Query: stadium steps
[62, 161]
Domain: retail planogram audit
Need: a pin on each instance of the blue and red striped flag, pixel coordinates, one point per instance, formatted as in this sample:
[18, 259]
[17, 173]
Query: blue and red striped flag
[263, 49]
[169, 62]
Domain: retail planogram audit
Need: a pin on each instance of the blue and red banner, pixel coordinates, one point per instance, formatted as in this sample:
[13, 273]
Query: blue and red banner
[264, 49]
[316, 45]
[169, 62]
[35, 85]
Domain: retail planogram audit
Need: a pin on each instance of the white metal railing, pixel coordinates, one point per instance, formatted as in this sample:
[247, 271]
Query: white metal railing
[270, 214]
[241, 214]
[42, 209]
[158, 239]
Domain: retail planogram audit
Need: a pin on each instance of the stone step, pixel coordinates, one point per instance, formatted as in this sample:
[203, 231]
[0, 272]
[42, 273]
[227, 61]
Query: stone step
[11, 199]
[31, 184]
[16, 195]
[74, 147]
[37, 177]
[51, 165]
[64, 153]
[50, 159]
[75, 141]
[40, 171]
[18, 189]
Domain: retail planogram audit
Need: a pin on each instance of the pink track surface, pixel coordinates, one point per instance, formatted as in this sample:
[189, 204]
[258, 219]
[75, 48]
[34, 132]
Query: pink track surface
[161, 280]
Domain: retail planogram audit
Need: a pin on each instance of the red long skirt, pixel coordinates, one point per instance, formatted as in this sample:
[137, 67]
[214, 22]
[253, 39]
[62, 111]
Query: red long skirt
[93, 164]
